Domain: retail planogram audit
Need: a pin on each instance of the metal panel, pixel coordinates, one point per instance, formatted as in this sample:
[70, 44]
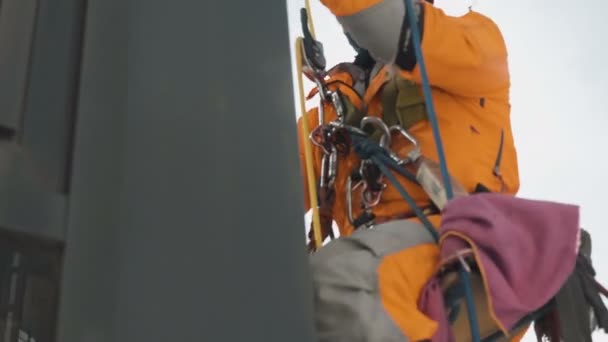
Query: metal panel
[52, 92]
[186, 220]
[34, 167]
[17, 19]
[90, 279]
[26, 205]
[29, 286]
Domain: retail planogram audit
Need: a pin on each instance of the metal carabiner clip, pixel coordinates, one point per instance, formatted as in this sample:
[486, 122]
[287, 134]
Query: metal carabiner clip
[371, 197]
[329, 168]
[332, 167]
[413, 155]
[349, 199]
[349, 204]
[385, 140]
[334, 98]
[319, 137]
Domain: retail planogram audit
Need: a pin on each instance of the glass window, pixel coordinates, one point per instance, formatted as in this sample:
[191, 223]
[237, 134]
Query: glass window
[29, 288]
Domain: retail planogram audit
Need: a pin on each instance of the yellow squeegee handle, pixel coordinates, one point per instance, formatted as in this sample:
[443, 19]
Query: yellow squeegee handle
[310, 172]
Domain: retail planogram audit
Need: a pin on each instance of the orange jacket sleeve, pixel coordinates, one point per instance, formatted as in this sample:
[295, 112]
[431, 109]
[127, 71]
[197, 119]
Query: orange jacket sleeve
[464, 55]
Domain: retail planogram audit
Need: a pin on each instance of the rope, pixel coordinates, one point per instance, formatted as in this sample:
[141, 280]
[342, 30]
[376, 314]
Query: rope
[369, 149]
[466, 283]
[308, 158]
[426, 88]
[468, 294]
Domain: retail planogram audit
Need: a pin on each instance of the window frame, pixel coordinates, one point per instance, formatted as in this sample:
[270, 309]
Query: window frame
[35, 162]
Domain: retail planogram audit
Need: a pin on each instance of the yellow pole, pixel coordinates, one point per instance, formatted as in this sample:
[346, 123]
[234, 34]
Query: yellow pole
[311, 24]
[310, 172]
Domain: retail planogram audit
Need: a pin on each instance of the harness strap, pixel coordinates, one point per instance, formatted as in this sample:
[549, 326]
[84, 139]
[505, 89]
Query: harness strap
[402, 103]
[429, 210]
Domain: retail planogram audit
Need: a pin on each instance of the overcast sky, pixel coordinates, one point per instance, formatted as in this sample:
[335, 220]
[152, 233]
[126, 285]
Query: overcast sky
[559, 96]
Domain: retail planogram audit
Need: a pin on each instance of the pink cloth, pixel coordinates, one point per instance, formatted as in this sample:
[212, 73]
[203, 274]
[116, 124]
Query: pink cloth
[526, 248]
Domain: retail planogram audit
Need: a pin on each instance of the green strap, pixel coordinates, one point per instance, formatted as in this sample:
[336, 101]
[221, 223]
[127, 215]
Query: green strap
[353, 115]
[402, 103]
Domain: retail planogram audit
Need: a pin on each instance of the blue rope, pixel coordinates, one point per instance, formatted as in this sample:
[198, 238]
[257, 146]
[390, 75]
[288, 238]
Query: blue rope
[427, 97]
[466, 282]
[465, 278]
[400, 170]
[370, 150]
[410, 201]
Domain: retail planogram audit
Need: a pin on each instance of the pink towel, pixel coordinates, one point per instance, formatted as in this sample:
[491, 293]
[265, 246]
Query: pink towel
[526, 249]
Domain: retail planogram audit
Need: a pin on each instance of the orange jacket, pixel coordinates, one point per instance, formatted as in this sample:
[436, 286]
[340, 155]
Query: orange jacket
[466, 62]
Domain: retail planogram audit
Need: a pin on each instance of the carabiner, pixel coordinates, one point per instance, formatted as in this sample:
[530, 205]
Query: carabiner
[412, 155]
[320, 137]
[349, 204]
[385, 140]
[371, 198]
[349, 199]
[332, 167]
[336, 100]
[370, 195]
[329, 166]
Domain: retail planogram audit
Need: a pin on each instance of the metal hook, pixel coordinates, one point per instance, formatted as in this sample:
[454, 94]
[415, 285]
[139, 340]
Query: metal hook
[349, 200]
[329, 166]
[385, 140]
[336, 101]
[321, 112]
[414, 154]
[338, 105]
[332, 167]
[318, 133]
[370, 198]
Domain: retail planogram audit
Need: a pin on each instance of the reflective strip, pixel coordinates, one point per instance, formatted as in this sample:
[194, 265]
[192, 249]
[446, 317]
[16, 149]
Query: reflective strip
[377, 29]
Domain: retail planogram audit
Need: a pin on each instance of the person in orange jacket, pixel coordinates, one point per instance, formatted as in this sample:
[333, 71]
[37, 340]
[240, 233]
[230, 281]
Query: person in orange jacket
[466, 62]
